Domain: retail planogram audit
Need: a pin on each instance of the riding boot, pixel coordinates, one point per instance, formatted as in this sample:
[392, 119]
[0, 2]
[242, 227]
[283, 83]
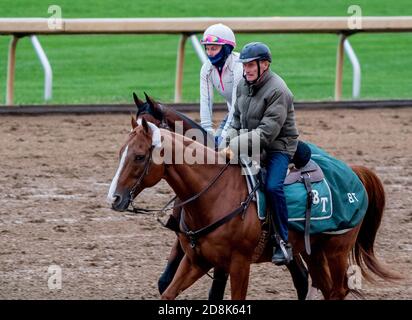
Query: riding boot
[217, 291]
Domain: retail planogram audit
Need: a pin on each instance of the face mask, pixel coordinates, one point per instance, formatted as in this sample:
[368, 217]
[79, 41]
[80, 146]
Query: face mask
[220, 59]
[214, 60]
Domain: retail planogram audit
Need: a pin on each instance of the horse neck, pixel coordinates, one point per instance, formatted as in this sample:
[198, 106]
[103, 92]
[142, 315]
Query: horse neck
[188, 180]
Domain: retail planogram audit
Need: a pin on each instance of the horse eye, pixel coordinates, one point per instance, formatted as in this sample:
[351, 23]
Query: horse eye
[139, 157]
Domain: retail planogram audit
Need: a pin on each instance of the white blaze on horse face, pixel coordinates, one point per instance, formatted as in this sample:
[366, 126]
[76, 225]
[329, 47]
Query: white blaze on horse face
[113, 186]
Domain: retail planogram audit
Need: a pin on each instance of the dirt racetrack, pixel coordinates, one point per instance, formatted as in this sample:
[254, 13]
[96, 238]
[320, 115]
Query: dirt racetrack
[54, 177]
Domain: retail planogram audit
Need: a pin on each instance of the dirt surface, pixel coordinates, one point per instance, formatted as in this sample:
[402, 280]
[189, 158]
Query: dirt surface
[54, 176]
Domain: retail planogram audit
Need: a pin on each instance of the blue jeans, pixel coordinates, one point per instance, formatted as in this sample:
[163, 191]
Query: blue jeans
[277, 167]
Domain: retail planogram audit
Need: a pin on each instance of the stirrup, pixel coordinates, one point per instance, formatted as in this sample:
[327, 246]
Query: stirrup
[286, 251]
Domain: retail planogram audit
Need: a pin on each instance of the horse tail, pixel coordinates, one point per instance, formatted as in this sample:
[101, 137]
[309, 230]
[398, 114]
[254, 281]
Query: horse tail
[363, 251]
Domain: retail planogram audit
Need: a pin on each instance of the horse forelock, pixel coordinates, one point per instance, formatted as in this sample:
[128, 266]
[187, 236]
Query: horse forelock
[140, 134]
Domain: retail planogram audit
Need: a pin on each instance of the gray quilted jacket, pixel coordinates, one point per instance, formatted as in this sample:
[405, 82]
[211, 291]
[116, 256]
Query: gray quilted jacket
[264, 111]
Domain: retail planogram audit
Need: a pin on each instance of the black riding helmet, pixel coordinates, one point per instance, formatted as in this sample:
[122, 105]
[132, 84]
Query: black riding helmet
[255, 51]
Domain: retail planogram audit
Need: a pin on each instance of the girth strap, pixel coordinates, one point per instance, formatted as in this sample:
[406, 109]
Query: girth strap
[308, 186]
[195, 235]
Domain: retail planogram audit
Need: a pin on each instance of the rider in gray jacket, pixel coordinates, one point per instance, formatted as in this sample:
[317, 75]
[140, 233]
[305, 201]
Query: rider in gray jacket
[264, 110]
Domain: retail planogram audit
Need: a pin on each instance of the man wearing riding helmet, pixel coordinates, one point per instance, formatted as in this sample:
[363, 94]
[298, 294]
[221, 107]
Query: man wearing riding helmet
[264, 108]
[220, 72]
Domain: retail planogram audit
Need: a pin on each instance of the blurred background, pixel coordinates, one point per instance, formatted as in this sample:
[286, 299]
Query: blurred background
[106, 68]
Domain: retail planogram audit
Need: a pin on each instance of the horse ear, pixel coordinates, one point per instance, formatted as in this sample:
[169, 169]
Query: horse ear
[137, 101]
[145, 125]
[149, 100]
[133, 121]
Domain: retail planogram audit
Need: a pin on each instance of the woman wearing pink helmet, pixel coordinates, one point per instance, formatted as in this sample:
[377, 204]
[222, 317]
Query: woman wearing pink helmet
[220, 72]
[223, 73]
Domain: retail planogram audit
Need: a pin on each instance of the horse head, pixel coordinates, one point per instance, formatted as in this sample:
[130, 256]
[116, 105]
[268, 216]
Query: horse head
[137, 170]
[149, 110]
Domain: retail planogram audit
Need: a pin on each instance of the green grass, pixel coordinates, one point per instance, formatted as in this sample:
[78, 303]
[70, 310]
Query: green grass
[100, 69]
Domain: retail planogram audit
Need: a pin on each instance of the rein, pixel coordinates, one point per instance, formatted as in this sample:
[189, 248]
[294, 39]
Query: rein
[192, 235]
[161, 211]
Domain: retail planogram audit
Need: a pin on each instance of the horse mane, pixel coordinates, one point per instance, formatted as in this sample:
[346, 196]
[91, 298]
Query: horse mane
[192, 122]
[158, 113]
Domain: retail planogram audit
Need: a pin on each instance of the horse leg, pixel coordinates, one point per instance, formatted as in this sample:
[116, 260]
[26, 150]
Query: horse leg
[217, 290]
[299, 275]
[239, 277]
[338, 264]
[174, 259]
[186, 274]
[319, 272]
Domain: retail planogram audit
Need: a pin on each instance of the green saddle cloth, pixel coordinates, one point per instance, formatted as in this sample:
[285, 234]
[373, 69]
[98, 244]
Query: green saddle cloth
[339, 202]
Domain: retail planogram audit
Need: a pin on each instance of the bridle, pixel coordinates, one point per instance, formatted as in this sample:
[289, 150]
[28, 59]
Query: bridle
[144, 173]
[193, 235]
[163, 122]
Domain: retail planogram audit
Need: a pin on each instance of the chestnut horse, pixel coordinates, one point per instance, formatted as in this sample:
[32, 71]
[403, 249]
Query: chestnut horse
[165, 117]
[232, 246]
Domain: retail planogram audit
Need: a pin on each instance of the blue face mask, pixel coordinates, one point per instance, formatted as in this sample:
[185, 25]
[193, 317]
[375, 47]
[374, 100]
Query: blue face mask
[220, 59]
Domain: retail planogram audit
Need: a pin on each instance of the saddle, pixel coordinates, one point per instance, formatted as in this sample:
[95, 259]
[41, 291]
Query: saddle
[308, 174]
[310, 171]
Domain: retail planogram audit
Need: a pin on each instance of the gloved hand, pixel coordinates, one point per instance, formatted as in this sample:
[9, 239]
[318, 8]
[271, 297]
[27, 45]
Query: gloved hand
[227, 153]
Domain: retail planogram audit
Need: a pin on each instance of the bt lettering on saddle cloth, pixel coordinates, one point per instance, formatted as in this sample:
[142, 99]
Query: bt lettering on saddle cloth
[322, 201]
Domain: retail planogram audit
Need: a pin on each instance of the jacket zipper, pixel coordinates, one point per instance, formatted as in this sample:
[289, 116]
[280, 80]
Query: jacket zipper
[220, 78]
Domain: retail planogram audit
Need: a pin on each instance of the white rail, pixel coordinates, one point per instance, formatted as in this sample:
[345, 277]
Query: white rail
[187, 27]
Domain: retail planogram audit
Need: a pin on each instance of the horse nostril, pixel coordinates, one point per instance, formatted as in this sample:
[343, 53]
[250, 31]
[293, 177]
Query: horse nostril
[117, 200]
